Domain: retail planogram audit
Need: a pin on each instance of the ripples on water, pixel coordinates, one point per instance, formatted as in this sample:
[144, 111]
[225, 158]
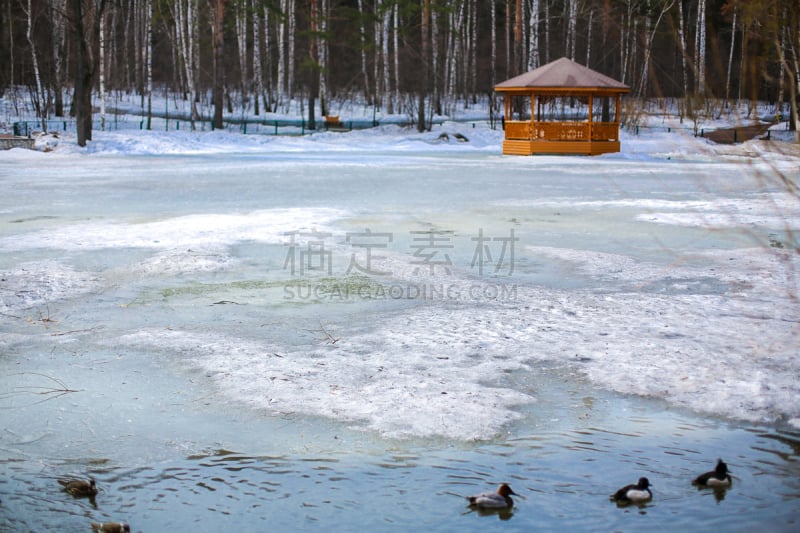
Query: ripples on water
[564, 478]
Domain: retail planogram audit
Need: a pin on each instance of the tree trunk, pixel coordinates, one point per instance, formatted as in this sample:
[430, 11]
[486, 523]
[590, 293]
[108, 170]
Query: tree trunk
[39, 101]
[313, 62]
[280, 89]
[684, 52]
[148, 60]
[241, 46]
[219, 61]
[547, 32]
[84, 73]
[517, 37]
[589, 36]
[730, 58]
[533, 41]
[572, 24]
[58, 35]
[700, 52]
[396, 55]
[102, 73]
[258, 78]
[387, 19]
[363, 35]
[291, 49]
[423, 75]
[322, 58]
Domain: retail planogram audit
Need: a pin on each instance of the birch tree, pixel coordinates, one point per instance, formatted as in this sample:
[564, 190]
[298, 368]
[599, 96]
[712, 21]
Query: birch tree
[385, 24]
[589, 35]
[282, 24]
[730, 57]
[533, 41]
[241, 26]
[362, 32]
[684, 52]
[322, 55]
[39, 99]
[572, 23]
[258, 77]
[396, 55]
[149, 60]
[700, 48]
[102, 72]
[185, 14]
[665, 7]
[290, 52]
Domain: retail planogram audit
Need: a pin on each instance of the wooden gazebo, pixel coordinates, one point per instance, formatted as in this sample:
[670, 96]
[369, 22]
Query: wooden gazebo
[561, 108]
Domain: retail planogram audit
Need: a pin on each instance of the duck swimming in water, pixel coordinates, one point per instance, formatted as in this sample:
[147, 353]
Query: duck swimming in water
[79, 487]
[638, 493]
[719, 477]
[493, 500]
[111, 527]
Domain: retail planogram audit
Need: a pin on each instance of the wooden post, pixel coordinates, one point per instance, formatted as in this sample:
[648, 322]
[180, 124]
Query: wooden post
[532, 123]
[590, 117]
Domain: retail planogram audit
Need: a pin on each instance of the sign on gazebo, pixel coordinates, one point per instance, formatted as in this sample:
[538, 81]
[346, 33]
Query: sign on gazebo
[561, 108]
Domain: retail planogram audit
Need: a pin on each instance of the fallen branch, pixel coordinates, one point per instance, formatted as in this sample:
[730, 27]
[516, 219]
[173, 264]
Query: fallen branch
[51, 393]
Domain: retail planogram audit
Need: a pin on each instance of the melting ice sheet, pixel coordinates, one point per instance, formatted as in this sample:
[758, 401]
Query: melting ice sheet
[700, 339]
[643, 278]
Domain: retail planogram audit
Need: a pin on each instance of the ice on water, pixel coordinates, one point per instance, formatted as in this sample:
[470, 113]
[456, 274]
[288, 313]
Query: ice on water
[714, 330]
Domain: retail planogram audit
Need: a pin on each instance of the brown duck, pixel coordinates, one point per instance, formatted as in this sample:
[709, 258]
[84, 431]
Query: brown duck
[111, 527]
[79, 488]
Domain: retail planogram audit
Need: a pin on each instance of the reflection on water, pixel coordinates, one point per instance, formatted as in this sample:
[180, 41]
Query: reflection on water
[563, 478]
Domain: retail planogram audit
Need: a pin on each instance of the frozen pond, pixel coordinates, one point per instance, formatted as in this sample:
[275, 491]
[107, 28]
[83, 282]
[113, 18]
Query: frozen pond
[356, 338]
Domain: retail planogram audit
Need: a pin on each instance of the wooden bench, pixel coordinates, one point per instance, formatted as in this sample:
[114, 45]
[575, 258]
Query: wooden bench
[332, 121]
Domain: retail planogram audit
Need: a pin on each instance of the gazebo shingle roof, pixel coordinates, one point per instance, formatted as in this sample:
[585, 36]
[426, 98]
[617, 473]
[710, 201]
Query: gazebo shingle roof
[563, 73]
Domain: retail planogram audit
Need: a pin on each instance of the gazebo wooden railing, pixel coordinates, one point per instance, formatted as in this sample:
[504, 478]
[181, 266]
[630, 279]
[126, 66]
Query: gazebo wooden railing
[561, 131]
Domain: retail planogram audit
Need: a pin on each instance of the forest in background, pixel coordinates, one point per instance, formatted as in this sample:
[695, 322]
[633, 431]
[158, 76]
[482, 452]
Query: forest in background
[413, 57]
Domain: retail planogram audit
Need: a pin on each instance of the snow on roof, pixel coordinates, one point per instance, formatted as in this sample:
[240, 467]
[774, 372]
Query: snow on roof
[563, 73]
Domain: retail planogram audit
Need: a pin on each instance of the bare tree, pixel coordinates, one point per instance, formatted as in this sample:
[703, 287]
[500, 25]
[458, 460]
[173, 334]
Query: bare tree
[730, 56]
[282, 23]
[258, 76]
[148, 59]
[219, 60]
[185, 13]
[423, 78]
[572, 24]
[58, 18]
[533, 40]
[684, 52]
[385, 25]
[102, 72]
[363, 49]
[700, 48]
[85, 24]
[39, 99]
[240, 23]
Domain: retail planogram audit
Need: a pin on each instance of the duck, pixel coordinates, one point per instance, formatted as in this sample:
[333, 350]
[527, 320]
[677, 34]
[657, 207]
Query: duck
[638, 493]
[111, 527]
[493, 500]
[719, 477]
[79, 488]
